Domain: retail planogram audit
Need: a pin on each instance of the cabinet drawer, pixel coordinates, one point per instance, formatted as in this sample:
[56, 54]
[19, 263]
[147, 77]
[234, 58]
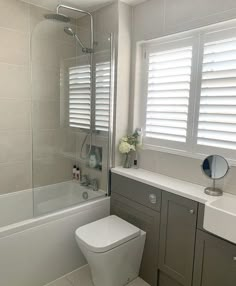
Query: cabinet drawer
[141, 193]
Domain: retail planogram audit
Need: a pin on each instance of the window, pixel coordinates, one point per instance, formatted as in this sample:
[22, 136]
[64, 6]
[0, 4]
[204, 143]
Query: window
[80, 103]
[217, 114]
[79, 96]
[169, 76]
[190, 92]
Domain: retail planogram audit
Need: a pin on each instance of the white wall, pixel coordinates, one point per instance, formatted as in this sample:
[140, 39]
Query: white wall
[157, 18]
[123, 75]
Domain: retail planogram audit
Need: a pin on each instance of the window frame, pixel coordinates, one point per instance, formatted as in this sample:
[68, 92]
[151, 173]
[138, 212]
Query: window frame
[190, 148]
[175, 42]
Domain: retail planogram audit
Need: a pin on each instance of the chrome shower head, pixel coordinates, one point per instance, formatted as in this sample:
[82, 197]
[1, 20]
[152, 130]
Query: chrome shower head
[69, 31]
[57, 17]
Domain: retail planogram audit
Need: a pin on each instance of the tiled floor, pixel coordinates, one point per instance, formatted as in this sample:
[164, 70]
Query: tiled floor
[82, 277]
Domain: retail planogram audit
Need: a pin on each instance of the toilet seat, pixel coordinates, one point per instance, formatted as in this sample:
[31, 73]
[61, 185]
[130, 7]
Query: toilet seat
[106, 234]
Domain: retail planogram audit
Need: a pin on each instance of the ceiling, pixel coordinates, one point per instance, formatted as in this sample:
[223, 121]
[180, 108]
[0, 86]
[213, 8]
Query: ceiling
[89, 5]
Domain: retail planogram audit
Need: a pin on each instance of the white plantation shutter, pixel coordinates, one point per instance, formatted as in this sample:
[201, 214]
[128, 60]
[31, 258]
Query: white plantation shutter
[168, 91]
[79, 96]
[190, 92]
[102, 102]
[217, 112]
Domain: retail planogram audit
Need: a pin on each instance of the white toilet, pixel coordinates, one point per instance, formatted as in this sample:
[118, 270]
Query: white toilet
[113, 249]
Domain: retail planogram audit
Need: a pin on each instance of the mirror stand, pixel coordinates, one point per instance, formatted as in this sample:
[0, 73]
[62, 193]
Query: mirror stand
[213, 191]
[215, 167]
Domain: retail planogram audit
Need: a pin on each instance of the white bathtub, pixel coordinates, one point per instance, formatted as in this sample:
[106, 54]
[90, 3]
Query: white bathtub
[38, 250]
[22, 205]
[58, 196]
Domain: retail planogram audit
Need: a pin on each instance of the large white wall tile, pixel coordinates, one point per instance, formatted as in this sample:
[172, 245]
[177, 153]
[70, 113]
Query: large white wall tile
[15, 146]
[14, 15]
[148, 20]
[15, 114]
[15, 47]
[14, 81]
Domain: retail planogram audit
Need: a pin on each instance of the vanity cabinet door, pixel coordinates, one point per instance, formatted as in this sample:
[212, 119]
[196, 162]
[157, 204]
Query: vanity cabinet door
[148, 220]
[177, 239]
[165, 280]
[215, 261]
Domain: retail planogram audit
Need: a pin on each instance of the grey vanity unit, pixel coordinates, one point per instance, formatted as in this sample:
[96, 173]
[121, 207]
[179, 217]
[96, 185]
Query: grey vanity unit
[178, 251]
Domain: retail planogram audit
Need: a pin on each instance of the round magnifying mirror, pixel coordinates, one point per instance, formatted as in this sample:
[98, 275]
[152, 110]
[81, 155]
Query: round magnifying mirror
[214, 167]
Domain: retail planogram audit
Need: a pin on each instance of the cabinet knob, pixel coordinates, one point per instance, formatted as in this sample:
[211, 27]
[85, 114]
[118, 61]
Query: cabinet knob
[152, 198]
[192, 212]
[234, 258]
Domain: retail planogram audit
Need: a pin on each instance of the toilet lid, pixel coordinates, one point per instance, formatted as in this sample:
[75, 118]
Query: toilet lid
[106, 233]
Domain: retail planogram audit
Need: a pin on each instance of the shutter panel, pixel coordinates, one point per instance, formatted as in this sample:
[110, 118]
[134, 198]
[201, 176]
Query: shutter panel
[169, 77]
[217, 113]
[79, 96]
[102, 110]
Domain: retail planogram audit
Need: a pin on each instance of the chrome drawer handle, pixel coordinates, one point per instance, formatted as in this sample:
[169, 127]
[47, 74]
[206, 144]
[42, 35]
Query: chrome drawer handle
[153, 198]
[192, 212]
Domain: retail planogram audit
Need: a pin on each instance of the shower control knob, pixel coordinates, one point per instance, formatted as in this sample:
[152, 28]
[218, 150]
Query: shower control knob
[152, 198]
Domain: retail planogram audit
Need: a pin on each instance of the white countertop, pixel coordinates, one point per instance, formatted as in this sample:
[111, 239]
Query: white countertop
[182, 188]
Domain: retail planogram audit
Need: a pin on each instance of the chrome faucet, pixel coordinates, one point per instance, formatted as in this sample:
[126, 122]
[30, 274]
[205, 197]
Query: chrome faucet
[84, 180]
[94, 185]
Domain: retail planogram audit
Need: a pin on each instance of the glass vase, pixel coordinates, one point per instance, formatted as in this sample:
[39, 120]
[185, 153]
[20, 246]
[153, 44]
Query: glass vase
[127, 161]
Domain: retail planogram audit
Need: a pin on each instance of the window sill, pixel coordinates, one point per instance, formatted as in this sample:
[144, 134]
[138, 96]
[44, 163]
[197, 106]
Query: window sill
[177, 152]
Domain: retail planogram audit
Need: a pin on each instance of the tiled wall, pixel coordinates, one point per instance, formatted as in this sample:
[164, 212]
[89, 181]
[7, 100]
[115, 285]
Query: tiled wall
[15, 103]
[156, 18]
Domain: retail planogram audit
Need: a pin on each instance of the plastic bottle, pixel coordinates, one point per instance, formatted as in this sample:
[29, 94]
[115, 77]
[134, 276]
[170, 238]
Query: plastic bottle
[78, 174]
[74, 172]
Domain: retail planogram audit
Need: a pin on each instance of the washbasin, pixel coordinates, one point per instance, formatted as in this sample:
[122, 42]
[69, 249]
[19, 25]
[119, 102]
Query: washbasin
[220, 217]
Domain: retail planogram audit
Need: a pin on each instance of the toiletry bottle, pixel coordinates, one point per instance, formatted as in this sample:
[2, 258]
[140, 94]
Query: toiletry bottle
[78, 174]
[74, 172]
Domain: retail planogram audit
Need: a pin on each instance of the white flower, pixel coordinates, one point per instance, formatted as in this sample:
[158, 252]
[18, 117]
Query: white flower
[124, 139]
[132, 147]
[124, 147]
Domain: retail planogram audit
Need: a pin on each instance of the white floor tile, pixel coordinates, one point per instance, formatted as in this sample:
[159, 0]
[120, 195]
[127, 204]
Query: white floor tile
[60, 282]
[138, 282]
[82, 277]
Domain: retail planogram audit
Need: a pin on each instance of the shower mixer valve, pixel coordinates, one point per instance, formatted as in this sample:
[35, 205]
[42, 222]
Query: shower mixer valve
[92, 184]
